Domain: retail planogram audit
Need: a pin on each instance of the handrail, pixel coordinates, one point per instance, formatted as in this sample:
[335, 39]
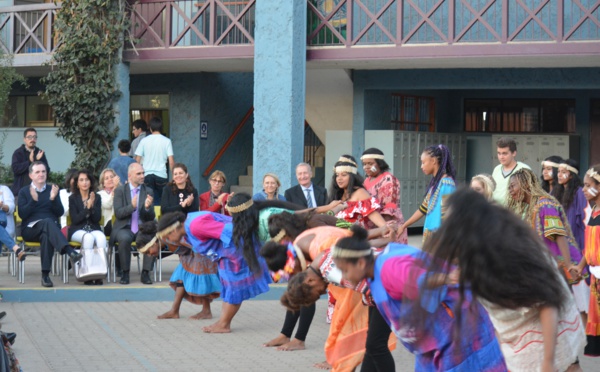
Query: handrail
[236, 131]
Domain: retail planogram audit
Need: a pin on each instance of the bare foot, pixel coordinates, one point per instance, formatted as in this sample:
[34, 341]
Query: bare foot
[295, 344]
[169, 315]
[322, 365]
[216, 328]
[278, 341]
[201, 315]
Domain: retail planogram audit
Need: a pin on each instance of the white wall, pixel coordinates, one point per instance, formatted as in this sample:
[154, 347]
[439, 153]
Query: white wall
[58, 152]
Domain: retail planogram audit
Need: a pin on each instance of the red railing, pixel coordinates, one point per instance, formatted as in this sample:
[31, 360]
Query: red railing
[403, 22]
[225, 146]
[27, 28]
[170, 24]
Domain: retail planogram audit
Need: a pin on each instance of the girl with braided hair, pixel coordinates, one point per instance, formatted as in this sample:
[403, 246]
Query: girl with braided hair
[547, 217]
[573, 200]
[435, 161]
[195, 278]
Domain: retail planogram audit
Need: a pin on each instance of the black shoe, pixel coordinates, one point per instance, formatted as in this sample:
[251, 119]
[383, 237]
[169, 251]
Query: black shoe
[10, 337]
[98, 282]
[145, 279]
[119, 273]
[75, 257]
[89, 282]
[46, 282]
[21, 256]
[2, 315]
[124, 278]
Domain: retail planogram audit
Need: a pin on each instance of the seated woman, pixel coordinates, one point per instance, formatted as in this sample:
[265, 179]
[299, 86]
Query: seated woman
[384, 187]
[85, 210]
[179, 195]
[195, 278]
[419, 306]
[503, 262]
[64, 194]
[215, 199]
[484, 184]
[109, 181]
[347, 192]
[7, 223]
[270, 191]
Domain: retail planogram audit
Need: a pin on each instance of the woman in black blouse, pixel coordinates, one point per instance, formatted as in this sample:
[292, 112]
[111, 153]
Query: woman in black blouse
[85, 209]
[179, 195]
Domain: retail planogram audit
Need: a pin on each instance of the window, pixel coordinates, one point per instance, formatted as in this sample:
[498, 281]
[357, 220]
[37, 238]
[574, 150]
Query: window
[146, 106]
[413, 113]
[520, 115]
[27, 111]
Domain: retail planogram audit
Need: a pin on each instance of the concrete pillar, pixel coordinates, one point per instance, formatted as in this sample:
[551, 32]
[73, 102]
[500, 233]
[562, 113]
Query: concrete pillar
[279, 89]
[122, 106]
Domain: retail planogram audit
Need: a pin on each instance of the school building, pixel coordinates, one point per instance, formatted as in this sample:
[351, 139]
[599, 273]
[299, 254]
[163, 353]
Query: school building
[269, 83]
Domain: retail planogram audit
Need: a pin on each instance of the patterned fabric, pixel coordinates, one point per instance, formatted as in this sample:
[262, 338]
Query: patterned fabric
[433, 206]
[210, 234]
[548, 218]
[357, 211]
[197, 273]
[263, 222]
[520, 335]
[433, 343]
[592, 256]
[385, 188]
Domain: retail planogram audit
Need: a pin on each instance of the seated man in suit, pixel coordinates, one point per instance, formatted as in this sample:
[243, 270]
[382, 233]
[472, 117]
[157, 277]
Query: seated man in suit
[40, 210]
[306, 193]
[133, 206]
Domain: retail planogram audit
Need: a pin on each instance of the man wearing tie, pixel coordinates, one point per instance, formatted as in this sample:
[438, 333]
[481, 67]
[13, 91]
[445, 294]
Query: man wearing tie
[133, 206]
[306, 193]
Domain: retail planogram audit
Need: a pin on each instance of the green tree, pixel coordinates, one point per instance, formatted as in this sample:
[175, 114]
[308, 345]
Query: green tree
[8, 77]
[82, 87]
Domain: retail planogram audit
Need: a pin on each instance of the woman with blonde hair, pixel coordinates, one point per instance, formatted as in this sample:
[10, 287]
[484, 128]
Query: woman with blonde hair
[270, 191]
[484, 184]
[109, 181]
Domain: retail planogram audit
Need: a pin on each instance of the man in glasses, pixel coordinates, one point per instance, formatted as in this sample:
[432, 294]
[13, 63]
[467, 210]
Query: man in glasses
[23, 157]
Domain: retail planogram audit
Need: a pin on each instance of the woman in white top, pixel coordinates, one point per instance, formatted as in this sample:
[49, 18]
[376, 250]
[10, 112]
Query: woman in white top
[109, 181]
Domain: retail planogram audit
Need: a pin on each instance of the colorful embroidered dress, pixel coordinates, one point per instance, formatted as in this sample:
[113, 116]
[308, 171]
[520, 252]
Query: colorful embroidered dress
[592, 256]
[385, 188]
[197, 273]
[433, 206]
[358, 211]
[345, 345]
[210, 234]
[399, 276]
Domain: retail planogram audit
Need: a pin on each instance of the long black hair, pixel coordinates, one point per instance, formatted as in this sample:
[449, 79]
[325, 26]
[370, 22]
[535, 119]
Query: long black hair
[75, 177]
[444, 160]
[546, 184]
[246, 224]
[566, 193]
[501, 258]
[355, 182]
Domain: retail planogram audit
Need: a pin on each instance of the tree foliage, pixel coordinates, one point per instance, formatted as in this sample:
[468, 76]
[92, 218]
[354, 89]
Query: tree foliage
[8, 77]
[82, 87]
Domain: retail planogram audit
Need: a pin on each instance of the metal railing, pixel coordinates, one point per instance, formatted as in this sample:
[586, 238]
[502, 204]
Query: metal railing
[170, 24]
[404, 22]
[27, 28]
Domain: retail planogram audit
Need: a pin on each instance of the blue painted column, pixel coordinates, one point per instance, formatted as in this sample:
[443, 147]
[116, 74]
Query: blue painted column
[279, 89]
[122, 106]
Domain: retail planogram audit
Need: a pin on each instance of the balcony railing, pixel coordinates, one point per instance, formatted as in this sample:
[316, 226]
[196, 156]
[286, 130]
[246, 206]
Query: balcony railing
[172, 24]
[27, 29]
[352, 23]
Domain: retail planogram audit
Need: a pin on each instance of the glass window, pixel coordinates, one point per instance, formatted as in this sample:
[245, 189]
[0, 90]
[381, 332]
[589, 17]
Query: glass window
[27, 111]
[413, 113]
[520, 115]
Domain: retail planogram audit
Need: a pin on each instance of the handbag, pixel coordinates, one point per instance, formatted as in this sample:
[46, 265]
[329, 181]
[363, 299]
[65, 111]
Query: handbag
[92, 266]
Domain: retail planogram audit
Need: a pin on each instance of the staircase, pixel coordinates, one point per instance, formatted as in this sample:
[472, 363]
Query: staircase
[244, 183]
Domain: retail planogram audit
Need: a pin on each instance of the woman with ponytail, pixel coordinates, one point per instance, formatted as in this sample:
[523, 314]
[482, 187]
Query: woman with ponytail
[436, 161]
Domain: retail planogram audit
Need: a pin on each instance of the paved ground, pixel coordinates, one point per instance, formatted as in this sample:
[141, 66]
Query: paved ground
[74, 327]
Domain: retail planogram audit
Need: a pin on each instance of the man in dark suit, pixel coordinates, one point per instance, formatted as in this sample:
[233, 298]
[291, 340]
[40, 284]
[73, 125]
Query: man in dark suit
[40, 209]
[306, 193]
[133, 206]
[23, 157]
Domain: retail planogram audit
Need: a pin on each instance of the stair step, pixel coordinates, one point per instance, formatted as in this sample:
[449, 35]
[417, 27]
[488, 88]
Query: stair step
[245, 181]
[238, 189]
[250, 171]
